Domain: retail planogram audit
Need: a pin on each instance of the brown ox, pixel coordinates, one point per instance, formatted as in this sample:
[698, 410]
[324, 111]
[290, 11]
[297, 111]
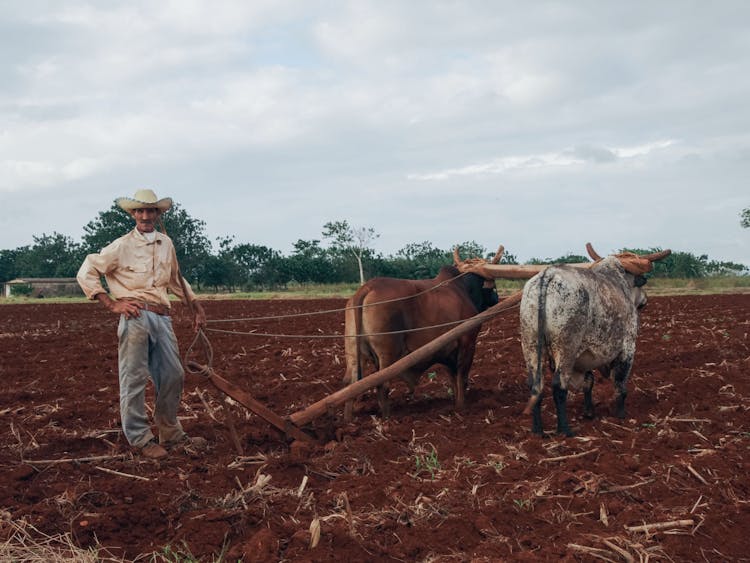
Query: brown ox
[581, 320]
[388, 318]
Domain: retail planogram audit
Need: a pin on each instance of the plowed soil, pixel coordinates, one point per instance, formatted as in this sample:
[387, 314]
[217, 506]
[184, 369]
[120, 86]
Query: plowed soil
[427, 484]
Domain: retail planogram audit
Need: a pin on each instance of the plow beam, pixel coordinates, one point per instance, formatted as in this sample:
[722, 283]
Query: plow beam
[315, 410]
[249, 402]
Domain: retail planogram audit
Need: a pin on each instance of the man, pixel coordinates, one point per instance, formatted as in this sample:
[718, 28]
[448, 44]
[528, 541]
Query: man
[140, 267]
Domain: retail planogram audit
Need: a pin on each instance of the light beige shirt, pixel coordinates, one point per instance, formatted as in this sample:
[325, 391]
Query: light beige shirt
[135, 269]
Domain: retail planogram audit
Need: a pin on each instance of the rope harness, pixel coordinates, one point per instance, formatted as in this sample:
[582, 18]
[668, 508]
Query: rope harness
[338, 310]
[200, 335]
[342, 309]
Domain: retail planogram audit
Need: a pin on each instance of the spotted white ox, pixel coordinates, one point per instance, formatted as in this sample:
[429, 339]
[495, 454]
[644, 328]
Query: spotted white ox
[582, 319]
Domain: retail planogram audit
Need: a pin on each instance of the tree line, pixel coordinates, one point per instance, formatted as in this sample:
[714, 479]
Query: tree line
[342, 255]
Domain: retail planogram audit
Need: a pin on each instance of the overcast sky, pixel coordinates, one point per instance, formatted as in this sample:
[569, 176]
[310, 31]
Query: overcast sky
[538, 125]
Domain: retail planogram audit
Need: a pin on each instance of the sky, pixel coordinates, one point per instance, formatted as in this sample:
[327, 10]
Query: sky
[536, 125]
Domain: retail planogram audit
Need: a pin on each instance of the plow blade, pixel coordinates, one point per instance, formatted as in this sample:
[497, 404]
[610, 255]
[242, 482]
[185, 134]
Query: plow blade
[252, 404]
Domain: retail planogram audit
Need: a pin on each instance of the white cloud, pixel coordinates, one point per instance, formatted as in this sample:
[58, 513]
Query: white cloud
[444, 121]
[577, 157]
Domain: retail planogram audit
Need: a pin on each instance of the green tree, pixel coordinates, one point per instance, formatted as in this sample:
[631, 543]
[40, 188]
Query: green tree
[566, 259]
[509, 258]
[420, 260]
[470, 249]
[51, 256]
[352, 240]
[217, 272]
[105, 228]
[223, 269]
[719, 268]
[308, 263]
[189, 237]
[8, 260]
[257, 264]
[745, 218]
[677, 265]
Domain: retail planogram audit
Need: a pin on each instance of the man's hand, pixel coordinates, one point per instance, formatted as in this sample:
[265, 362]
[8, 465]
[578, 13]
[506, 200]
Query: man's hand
[129, 309]
[199, 321]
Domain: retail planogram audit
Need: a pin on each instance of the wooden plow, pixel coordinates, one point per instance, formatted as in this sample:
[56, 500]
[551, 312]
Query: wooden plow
[291, 426]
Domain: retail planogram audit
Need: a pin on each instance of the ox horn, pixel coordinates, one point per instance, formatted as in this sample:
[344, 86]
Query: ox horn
[653, 257]
[590, 249]
[498, 255]
[456, 257]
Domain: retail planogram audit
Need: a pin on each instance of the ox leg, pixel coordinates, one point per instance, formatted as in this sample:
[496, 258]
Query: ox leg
[621, 372]
[588, 403]
[459, 389]
[560, 397]
[535, 403]
[349, 378]
[411, 378]
[383, 401]
[536, 416]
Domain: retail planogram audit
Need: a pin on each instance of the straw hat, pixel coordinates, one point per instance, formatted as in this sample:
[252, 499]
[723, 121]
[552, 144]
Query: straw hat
[144, 198]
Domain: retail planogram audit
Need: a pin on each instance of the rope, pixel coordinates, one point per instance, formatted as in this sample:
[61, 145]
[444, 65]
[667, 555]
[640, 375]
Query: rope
[313, 336]
[208, 349]
[342, 309]
[199, 335]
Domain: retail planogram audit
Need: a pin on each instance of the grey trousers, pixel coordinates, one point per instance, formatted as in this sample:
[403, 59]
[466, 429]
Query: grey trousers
[148, 349]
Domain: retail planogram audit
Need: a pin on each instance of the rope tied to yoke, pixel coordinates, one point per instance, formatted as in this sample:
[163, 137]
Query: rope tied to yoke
[323, 336]
[338, 310]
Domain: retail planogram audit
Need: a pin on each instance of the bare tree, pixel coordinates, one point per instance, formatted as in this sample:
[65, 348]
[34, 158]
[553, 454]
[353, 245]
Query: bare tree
[353, 240]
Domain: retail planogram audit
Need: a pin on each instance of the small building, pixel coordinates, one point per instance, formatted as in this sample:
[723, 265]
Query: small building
[42, 287]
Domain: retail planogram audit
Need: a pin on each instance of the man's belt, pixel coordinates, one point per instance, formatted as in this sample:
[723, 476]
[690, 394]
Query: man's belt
[153, 307]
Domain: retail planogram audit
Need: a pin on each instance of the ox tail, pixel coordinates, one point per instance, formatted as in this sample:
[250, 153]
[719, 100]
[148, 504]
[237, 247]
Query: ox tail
[353, 345]
[541, 340]
[354, 331]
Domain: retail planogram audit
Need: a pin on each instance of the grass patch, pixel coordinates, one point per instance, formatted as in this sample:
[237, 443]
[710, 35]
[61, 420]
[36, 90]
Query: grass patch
[690, 286]
[655, 287]
[427, 462]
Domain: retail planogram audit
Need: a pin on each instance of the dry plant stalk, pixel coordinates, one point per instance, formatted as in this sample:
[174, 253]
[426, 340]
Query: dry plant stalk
[571, 456]
[349, 515]
[618, 488]
[603, 515]
[624, 554]
[302, 486]
[119, 473]
[73, 459]
[648, 528]
[28, 544]
[696, 474]
[602, 554]
[314, 533]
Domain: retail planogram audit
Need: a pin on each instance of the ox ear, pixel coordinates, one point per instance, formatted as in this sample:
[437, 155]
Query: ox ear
[640, 281]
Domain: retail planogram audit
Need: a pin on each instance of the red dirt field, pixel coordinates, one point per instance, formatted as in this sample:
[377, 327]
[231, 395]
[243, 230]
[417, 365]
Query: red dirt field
[428, 484]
